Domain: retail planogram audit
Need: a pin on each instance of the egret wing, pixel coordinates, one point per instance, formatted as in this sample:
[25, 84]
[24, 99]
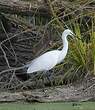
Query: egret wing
[45, 62]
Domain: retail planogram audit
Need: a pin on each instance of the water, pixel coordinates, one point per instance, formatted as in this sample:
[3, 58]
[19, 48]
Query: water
[48, 106]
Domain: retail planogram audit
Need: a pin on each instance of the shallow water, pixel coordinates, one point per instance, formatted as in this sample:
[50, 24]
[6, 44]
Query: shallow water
[49, 106]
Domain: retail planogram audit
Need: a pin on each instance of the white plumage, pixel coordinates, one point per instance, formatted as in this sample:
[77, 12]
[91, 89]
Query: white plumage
[49, 59]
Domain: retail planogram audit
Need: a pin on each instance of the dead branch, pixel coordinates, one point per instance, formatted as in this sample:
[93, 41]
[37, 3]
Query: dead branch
[77, 92]
[23, 8]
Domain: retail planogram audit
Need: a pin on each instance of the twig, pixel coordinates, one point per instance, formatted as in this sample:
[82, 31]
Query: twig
[54, 15]
[12, 77]
[12, 69]
[89, 87]
[9, 41]
[14, 36]
[5, 56]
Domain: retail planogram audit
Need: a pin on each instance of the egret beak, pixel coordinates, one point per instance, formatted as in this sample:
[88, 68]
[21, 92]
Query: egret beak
[72, 34]
[75, 36]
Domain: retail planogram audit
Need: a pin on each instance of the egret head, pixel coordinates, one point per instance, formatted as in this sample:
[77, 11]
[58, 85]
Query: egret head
[67, 32]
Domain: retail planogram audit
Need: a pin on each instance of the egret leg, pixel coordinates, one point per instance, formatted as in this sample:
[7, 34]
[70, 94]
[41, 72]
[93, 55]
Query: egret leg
[43, 76]
[40, 75]
[43, 83]
[47, 74]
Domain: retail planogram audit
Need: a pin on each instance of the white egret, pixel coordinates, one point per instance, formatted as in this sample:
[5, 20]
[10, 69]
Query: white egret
[49, 59]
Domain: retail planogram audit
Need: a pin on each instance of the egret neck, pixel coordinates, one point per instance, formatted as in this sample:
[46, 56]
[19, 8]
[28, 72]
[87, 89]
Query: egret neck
[63, 52]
